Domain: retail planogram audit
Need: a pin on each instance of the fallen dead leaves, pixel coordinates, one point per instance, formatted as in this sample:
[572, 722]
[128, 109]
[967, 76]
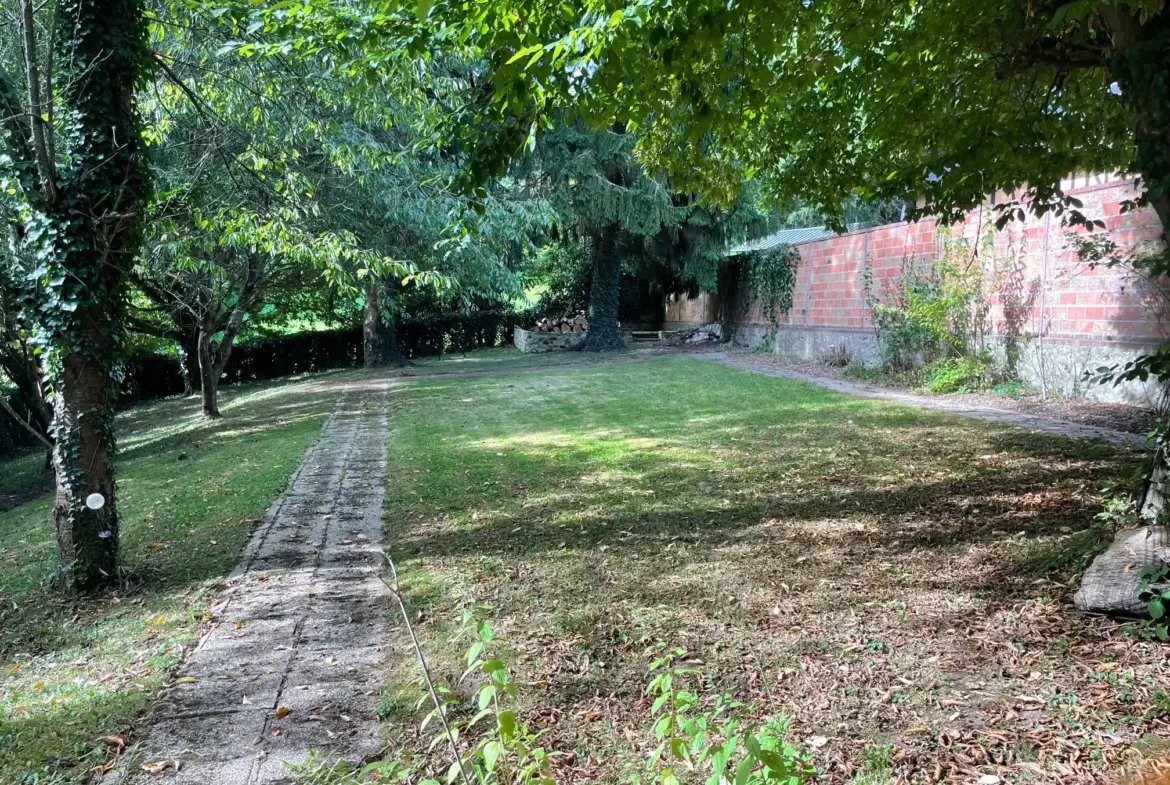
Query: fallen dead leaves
[887, 586]
[158, 767]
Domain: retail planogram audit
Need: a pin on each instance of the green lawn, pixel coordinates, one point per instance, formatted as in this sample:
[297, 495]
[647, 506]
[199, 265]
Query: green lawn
[189, 494]
[23, 477]
[508, 358]
[894, 580]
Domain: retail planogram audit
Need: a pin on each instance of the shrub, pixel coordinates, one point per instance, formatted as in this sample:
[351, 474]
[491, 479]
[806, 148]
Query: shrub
[565, 272]
[939, 310]
[954, 374]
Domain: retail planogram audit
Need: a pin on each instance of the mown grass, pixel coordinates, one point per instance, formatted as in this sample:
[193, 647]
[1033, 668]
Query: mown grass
[509, 358]
[75, 672]
[23, 477]
[882, 574]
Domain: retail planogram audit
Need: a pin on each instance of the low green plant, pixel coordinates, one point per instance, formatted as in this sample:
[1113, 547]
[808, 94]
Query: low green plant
[1120, 509]
[1160, 706]
[878, 374]
[876, 760]
[715, 740]
[320, 770]
[954, 374]
[1154, 591]
[1012, 388]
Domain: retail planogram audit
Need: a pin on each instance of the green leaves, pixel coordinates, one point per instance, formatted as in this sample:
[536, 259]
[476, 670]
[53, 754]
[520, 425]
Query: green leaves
[771, 276]
[507, 724]
[1154, 589]
[535, 49]
[712, 735]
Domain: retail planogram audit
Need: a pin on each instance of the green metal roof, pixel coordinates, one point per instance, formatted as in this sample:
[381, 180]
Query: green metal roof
[788, 237]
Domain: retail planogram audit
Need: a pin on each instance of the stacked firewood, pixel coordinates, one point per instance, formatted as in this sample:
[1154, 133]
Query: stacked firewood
[569, 323]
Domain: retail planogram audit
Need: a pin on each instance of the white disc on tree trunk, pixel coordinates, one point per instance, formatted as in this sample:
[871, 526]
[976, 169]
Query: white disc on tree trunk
[95, 501]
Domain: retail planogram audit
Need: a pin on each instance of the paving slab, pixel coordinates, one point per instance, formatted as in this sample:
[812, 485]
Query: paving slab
[293, 662]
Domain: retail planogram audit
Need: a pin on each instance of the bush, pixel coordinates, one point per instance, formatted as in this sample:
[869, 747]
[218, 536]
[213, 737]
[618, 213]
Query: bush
[566, 272]
[445, 333]
[954, 375]
[939, 310]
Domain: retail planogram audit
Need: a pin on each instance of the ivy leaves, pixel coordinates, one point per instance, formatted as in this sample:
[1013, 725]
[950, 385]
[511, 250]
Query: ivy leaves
[771, 276]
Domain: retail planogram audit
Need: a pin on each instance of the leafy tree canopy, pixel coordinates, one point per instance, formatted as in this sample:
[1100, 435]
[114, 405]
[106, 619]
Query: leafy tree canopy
[939, 102]
[936, 103]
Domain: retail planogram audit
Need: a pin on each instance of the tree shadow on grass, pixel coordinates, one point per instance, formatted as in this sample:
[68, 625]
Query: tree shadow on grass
[1024, 490]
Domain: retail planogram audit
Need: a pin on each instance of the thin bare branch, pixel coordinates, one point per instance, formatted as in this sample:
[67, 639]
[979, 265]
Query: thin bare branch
[26, 425]
[422, 661]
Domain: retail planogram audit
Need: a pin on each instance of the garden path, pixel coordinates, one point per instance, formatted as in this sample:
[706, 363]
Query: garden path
[1019, 419]
[292, 663]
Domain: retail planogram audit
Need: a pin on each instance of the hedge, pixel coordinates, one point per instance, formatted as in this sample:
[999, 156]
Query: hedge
[147, 376]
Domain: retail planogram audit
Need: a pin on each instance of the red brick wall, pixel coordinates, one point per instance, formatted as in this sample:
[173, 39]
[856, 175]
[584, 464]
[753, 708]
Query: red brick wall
[1059, 297]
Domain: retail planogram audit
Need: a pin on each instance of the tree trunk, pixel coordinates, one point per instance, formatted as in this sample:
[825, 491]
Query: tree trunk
[379, 338]
[209, 372]
[85, 514]
[1140, 63]
[189, 360]
[728, 278]
[604, 295]
[24, 372]
[94, 213]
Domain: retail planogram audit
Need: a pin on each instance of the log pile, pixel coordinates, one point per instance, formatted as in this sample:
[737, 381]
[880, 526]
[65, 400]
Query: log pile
[569, 323]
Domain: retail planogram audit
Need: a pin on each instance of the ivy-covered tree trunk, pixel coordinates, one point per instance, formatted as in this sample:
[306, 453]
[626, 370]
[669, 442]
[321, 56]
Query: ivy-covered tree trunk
[85, 514]
[1141, 66]
[379, 338]
[604, 295]
[84, 228]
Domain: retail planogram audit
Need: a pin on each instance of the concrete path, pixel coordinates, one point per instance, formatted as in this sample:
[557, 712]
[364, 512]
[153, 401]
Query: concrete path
[293, 662]
[1020, 420]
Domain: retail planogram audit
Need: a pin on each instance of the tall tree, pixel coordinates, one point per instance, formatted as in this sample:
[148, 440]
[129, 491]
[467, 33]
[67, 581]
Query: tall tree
[73, 185]
[607, 204]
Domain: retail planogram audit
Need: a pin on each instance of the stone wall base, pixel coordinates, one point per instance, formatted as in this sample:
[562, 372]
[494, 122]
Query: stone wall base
[531, 342]
[1053, 365]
